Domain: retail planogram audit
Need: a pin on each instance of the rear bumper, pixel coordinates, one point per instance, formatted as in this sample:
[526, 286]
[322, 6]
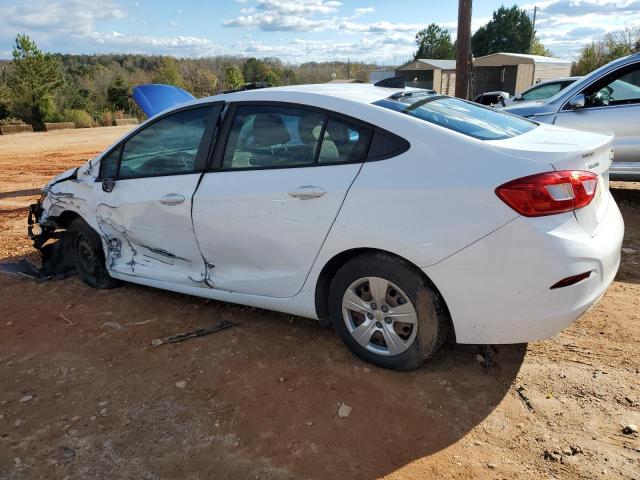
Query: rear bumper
[498, 289]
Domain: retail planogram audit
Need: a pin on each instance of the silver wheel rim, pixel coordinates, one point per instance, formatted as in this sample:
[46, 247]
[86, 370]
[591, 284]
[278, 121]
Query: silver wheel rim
[379, 316]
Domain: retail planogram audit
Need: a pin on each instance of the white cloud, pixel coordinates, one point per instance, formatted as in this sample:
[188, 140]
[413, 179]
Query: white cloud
[179, 46]
[65, 17]
[362, 11]
[286, 15]
[565, 26]
[562, 25]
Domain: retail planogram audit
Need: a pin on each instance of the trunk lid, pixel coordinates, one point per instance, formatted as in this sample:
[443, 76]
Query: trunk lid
[563, 149]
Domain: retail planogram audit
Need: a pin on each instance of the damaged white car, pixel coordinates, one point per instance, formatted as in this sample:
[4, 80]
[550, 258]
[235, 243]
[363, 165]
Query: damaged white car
[400, 216]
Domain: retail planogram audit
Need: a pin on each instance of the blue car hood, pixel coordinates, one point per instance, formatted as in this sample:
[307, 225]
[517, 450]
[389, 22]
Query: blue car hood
[154, 98]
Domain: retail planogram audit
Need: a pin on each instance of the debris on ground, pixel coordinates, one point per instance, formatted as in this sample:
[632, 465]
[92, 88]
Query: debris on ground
[181, 384]
[26, 398]
[553, 456]
[524, 397]
[630, 429]
[57, 263]
[221, 325]
[344, 411]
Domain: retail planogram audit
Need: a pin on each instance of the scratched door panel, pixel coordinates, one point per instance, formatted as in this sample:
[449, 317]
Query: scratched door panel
[148, 229]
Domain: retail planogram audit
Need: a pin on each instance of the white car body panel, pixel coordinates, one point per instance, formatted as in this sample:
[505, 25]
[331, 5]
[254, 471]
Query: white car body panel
[433, 205]
[261, 240]
[498, 289]
[151, 238]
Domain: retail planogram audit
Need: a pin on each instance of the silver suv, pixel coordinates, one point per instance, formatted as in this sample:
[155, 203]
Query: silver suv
[605, 101]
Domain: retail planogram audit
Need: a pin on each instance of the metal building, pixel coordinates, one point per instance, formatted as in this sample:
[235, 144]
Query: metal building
[439, 75]
[514, 72]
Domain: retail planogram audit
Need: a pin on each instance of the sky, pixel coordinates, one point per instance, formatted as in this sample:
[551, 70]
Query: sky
[377, 31]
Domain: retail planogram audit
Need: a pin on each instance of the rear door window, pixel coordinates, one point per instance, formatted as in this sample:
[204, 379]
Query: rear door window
[266, 136]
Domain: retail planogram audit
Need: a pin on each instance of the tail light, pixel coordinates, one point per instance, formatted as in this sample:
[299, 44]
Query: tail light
[549, 193]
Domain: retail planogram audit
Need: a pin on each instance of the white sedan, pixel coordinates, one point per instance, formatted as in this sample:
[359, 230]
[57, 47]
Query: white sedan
[403, 217]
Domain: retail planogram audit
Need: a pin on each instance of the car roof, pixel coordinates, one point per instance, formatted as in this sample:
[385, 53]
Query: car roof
[355, 92]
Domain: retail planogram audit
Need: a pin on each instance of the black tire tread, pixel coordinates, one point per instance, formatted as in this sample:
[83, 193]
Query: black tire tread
[103, 279]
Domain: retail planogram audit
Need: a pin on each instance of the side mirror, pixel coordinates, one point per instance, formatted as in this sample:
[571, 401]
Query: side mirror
[108, 184]
[578, 101]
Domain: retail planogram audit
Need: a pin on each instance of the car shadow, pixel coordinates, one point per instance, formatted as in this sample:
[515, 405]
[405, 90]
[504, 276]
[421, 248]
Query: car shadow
[395, 419]
[627, 196]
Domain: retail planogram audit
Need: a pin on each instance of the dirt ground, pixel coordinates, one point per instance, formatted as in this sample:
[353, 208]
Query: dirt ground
[84, 395]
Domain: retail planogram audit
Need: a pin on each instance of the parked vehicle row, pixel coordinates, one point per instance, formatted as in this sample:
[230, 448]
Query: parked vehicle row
[605, 101]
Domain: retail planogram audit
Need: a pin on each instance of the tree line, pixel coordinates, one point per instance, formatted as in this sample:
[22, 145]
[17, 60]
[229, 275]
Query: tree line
[90, 90]
[509, 30]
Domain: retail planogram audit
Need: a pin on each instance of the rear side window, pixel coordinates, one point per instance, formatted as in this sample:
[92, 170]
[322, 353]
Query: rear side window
[386, 145]
[461, 116]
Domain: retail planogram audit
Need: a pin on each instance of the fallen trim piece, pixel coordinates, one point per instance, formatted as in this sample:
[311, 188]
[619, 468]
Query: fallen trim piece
[222, 325]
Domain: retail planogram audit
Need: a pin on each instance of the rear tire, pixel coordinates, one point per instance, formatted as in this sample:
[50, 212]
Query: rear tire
[386, 312]
[88, 256]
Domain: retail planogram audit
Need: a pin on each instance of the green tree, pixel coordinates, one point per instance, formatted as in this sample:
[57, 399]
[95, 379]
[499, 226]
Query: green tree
[6, 102]
[168, 72]
[288, 76]
[35, 78]
[256, 70]
[434, 42]
[614, 45]
[201, 83]
[118, 94]
[233, 78]
[509, 30]
[537, 48]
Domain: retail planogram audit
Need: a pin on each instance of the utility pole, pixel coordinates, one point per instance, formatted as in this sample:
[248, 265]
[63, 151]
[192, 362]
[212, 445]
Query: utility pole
[463, 49]
[533, 31]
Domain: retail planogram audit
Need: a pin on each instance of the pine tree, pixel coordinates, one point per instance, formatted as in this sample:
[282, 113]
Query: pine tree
[35, 78]
[233, 78]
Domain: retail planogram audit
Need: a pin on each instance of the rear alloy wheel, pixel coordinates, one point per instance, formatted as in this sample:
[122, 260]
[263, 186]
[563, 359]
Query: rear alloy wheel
[386, 312]
[88, 256]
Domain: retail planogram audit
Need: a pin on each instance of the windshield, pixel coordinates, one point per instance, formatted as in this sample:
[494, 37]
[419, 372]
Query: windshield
[461, 116]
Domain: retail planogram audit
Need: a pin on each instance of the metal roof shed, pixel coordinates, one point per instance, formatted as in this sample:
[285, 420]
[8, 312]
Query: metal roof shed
[514, 72]
[439, 75]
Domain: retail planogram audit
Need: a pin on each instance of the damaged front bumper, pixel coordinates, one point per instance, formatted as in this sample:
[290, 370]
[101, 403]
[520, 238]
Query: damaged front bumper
[47, 229]
[57, 257]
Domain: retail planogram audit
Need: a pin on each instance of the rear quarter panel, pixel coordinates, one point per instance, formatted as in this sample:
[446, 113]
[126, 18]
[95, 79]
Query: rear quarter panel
[431, 201]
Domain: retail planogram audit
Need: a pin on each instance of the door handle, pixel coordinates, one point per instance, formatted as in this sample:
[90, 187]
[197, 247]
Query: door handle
[172, 199]
[307, 192]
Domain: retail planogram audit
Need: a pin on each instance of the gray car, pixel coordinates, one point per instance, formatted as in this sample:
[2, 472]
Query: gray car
[542, 90]
[605, 101]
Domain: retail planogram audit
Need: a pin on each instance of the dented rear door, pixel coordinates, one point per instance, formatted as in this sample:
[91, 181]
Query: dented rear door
[146, 219]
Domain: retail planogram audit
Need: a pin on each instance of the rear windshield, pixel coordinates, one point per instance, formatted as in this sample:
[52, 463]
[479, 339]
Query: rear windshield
[461, 116]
